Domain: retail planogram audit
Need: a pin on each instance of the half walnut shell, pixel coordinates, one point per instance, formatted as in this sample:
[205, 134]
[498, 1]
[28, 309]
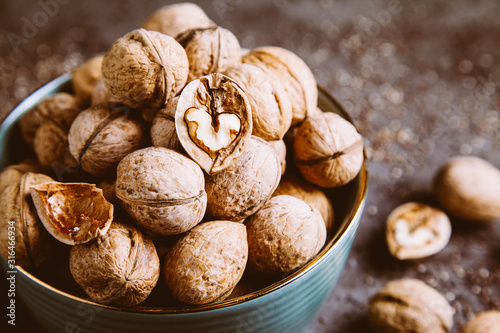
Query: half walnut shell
[74, 213]
[213, 121]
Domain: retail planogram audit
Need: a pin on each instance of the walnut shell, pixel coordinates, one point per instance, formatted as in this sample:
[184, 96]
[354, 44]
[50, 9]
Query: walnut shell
[177, 18]
[315, 197]
[468, 187]
[206, 264]
[213, 121]
[210, 50]
[163, 133]
[120, 267]
[294, 74]
[74, 213]
[144, 69]
[271, 106]
[279, 147]
[85, 77]
[485, 322]
[102, 135]
[241, 189]
[50, 143]
[33, 244]
[162, 190]
[328, 150]
[61, 107]
[15, 171]
[101, 94]
[284, 235]
[410, 305]
[415, 230]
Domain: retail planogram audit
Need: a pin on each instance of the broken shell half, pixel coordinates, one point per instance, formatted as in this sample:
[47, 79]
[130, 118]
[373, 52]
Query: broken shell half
[74, 213]
[213, 121]
[416, 230]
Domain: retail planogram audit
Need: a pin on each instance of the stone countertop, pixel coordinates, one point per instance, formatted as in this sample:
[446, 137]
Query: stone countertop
[419, 78]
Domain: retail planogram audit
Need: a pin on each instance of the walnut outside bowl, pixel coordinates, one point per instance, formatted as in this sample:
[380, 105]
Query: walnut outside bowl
[284, 306]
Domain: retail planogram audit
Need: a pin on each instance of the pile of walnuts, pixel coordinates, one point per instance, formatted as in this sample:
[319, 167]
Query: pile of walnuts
[168, 158]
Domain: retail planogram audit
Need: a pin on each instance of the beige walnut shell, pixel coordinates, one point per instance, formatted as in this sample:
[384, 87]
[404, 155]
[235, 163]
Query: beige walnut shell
[213, 121]
[468, 187]
[177, 18]
[314, 196]
[143, 69]
[162, 190]
[284, 235]
[241, 189]
[416, 230]
[210, 50]
[294, 74]
[15, 171]
[485, 322]
[328, 150]
[74, 213]
[33, 244]
[119, 267]
[279, 147]
[61, 107]
[206, 264]
[163, 133]
[410, 305]
[85, 77]
[51, 143]
[271, 106]
[102, 135]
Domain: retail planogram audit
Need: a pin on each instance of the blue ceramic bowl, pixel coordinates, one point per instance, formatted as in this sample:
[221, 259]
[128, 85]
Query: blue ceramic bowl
[285, 306]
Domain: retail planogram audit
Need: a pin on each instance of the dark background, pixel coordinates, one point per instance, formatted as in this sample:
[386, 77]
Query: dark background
[420, 79]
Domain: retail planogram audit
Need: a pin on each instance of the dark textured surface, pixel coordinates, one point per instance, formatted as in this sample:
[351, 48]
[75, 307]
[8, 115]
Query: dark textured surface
[420, 80]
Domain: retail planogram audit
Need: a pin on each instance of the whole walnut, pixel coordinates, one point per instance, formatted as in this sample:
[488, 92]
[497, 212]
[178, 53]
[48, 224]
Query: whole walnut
[143, 69]
[119, 267]
[205, 265]
[177, 18]
[485, 322]
[162, 190]
[85, 77]
[328, 150]
[210, 50]
[410, 305]
[293, 73]
[271, 106]
[163, 133]
[314, 196]
[61, 107]
[241, 189]
[284, 235]
[15, 171]
[102, 135]
[468, 187]
[21, 229]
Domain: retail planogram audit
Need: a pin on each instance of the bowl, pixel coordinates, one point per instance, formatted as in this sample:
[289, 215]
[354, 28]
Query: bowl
[284, 306]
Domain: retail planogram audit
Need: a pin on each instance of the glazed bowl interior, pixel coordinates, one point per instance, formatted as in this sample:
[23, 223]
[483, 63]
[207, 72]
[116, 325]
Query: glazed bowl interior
[348, 202]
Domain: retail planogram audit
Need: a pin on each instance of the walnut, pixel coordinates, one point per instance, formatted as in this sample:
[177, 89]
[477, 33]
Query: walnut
[271, 106]
[177, 18]
[294, 74]
[416, 230]
[485, 322]
[74, 213]
[468, 187]
[21, 227]
[410, 305]
[119, 267]
[206, 264]
[162, 190]
[284, 235]
[163, 133]
[85, 77]
[328, 150]
[102, 135]
[101, 94]
[210, 50]
[241, 189]
[279, 147]
[15, 171]
[60, 107]
[315, 197]
[143, 69]
[213, 121]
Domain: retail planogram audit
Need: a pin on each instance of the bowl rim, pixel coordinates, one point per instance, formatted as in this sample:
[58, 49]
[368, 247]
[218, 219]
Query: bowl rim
[343, 231]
